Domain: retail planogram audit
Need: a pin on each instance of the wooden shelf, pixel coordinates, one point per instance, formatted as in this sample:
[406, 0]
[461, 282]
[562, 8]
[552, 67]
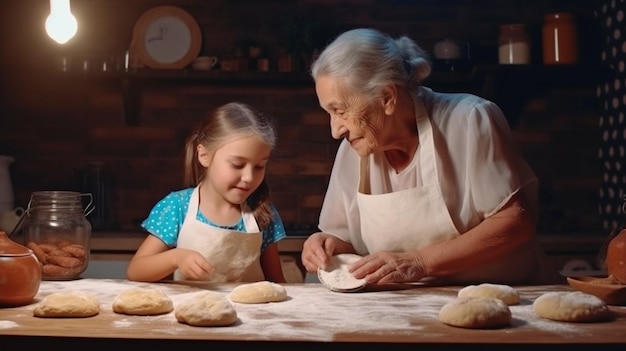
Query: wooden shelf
[510, 86]
[148, 75]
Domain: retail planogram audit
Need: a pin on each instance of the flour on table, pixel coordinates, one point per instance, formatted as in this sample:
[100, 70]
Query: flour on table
[123, 323]
[337, 276]
[8, 324]
[312, 312]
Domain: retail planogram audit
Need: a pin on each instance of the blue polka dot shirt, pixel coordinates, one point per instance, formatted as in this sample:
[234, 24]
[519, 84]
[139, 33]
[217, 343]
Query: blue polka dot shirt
[167, 216]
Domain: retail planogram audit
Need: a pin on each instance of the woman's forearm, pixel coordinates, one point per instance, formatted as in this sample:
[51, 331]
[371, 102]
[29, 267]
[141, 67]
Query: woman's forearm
[493, 239]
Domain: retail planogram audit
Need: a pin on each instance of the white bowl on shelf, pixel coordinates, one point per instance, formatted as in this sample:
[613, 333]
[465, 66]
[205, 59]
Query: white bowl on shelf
[204, 63]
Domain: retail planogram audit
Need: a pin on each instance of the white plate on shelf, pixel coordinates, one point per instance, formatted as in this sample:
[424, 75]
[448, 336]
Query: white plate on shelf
[337, 276]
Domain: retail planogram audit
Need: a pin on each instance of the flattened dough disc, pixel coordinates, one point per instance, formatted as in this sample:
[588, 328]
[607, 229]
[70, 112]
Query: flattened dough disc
[336, 276]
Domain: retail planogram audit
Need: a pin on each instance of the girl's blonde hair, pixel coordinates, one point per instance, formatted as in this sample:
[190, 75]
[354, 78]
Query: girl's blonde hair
[234, 119]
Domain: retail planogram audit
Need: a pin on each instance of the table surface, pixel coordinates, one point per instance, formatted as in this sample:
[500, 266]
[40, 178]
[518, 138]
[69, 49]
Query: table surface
[405, 316]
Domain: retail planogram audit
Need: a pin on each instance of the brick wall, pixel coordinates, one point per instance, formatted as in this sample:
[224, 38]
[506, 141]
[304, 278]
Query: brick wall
[56, 124]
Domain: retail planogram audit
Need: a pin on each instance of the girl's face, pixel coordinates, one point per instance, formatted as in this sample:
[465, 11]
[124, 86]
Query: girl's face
[237, 168]
[351, 116]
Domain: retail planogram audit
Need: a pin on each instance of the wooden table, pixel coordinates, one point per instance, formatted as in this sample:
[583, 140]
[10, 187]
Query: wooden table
[311, 318]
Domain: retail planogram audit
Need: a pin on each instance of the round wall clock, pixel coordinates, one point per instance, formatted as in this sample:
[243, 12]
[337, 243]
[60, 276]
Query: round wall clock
[166, 37]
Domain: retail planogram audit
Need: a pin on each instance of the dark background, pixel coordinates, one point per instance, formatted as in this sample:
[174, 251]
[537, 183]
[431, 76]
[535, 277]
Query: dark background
[56, 124]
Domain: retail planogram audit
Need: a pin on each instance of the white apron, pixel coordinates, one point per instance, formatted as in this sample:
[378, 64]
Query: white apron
[234, 255]
[418, 217]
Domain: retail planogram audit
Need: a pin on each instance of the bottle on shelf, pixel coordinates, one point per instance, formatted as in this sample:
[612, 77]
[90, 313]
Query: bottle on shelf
[560, 39]
[514, 44]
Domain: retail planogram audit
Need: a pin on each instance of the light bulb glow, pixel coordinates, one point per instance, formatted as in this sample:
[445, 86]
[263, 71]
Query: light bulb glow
[61, 24]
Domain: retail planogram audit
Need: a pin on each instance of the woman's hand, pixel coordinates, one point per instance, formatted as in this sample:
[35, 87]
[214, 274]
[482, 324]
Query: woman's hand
[193, 265]
[318, 248]
[389, 267]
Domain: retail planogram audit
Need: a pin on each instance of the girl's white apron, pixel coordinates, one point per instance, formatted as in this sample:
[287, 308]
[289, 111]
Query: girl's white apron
[234, 255]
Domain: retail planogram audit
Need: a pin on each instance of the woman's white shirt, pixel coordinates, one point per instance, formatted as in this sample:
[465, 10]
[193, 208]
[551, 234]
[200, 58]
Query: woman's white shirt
[479, 167]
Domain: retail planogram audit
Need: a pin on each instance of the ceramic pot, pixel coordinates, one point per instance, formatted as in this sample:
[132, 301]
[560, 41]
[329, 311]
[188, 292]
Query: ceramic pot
[616, 257]
[20, 273]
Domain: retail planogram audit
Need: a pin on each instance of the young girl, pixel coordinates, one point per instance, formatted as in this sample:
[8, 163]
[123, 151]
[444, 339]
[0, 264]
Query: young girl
[222, 228]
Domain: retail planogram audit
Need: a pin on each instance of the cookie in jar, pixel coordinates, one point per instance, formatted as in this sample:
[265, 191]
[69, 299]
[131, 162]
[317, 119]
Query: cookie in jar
[57, 231]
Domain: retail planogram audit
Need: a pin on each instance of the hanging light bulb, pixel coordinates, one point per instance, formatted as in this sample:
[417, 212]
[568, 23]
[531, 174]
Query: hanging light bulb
[61, 25]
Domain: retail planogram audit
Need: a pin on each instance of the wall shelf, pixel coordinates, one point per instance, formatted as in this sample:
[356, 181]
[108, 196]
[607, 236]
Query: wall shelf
[510, 86]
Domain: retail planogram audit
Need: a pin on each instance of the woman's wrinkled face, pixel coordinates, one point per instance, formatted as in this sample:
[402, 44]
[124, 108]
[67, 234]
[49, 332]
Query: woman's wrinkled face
[351, 116]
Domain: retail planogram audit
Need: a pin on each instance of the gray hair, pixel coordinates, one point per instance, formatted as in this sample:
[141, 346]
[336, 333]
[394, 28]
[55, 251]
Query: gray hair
[366, 60]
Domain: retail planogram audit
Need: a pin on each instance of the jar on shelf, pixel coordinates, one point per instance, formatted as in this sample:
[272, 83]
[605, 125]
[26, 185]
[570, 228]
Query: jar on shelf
[514, 44]
[57, 231]
[560, 39]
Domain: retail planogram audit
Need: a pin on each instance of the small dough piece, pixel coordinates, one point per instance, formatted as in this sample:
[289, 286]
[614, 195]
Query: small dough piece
[337, 277]
[258, 292]
[476, 313]
[73, 304]
[143, 302]
[206, 309]
[571, 306]
[505, 293]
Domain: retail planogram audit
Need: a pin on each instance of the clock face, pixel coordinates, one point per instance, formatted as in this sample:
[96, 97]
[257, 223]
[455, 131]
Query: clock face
[166, 37]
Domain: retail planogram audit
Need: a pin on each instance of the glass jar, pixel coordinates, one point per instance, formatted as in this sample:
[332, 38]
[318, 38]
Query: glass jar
[560, 39]
[57, 231]
[514, 44]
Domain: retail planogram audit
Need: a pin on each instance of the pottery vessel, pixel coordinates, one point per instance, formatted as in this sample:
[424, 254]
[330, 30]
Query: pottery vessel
[616, 257]
[20, 273]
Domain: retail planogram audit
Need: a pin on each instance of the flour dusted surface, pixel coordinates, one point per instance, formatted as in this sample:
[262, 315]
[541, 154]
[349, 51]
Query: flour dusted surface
[311, 313]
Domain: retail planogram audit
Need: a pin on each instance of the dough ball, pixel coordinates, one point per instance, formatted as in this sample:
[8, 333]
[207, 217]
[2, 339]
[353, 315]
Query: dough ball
[143, 302]
[337, 277]
[476, 313]
[206, 309]
[505, 293]
[258, 292]
[571, 306]
[68, 304]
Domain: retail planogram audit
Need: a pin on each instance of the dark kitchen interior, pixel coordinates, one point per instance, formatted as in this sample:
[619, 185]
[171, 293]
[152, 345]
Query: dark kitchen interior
[130, 126]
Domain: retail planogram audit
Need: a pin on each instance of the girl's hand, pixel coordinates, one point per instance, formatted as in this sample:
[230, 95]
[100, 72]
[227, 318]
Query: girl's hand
[389, 267]
[193, 265]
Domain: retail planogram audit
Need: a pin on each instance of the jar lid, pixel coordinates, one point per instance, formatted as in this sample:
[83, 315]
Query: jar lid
[9, 247]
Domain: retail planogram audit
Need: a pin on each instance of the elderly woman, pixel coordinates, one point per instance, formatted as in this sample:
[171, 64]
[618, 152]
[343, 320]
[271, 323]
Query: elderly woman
[425, 186]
